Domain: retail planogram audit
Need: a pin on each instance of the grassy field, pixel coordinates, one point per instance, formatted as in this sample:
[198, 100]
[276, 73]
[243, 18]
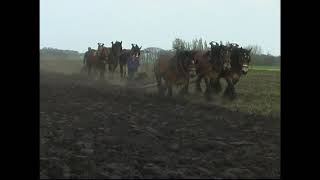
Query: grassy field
[269, 68]
[258, 91]
[61, 65]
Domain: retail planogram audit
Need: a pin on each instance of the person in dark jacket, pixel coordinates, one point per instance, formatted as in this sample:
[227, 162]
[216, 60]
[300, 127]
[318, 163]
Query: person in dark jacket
[86, 55]
[133, 64]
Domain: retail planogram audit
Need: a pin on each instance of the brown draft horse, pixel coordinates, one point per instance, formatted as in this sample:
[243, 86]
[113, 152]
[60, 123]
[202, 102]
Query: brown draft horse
[210, 64]
[102, 55]
[125, 54]
[91, 60]
[240, 59]
[174, 70]
[114, 56]
[97, 60]
[135, 49]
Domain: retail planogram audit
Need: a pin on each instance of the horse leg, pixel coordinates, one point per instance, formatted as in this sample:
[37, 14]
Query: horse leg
[230, 90]
[121, 70]
[198, 81]
[233, 90]
[89, 70]
[86, 69]
[94, 71]
[102, 71]
[159, 85]
[216, 85]
[184, 89]
[167, 87]
[226, 92]
[208, 89]
[109, 66]
[170, 89]
[97, 72]
[113, 71]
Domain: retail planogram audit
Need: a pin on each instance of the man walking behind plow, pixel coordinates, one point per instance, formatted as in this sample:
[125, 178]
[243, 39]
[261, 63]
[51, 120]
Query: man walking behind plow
[133, 64]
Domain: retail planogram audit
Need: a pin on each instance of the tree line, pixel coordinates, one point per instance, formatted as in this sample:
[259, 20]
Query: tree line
[150, 54]
[58, 53]
[257, 56]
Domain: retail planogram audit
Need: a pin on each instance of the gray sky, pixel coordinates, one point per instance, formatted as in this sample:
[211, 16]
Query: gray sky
[77, 24]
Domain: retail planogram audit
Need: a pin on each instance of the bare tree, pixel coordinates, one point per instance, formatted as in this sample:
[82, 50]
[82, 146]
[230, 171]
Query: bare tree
[178, 44]
[194, 44]
[205, 45]
[200, 45]
[188, 46]
[256, 50]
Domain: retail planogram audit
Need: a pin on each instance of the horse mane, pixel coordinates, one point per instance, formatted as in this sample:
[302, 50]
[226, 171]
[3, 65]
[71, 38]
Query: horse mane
[135, 49]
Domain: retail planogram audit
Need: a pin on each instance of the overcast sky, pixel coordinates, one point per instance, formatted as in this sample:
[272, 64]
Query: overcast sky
[78, 24]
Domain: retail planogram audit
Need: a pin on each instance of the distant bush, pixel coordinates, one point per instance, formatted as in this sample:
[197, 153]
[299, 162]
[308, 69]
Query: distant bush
[53, 53]
[150, 54]
[265, 60]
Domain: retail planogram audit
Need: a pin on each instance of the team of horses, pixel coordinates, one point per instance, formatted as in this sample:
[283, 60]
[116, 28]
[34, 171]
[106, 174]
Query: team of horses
[227, 62]
[97, 60]
[221, 61]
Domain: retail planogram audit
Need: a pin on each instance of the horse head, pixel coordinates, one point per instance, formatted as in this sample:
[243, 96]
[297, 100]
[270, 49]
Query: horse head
[240, 59]
[186, 59]
[100, 45]
[116, 48]
[245, 59]
[103, 52]
[136, 50]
